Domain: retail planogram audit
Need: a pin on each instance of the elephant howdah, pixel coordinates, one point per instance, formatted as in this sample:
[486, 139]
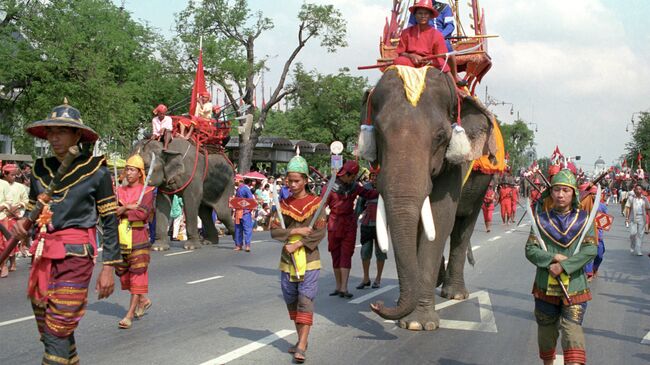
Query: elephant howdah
[204, 183]
[414, 141]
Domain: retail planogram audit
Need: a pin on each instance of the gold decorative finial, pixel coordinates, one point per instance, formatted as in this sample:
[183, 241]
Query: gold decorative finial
[65, 100]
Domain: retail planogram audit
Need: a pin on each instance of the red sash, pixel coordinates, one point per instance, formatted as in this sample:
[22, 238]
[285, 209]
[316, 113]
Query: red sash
[54, 249]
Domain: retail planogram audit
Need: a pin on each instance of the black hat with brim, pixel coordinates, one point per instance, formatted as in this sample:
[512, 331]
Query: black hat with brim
[63, 116]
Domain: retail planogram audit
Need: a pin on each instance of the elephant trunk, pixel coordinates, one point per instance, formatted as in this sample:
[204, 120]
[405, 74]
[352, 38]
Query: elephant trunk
[406, 211]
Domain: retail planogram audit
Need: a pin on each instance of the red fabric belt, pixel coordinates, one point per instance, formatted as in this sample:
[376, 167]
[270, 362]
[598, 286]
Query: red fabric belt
[54, 249]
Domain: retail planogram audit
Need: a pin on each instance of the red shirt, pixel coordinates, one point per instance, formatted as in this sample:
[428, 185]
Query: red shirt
[424, 43]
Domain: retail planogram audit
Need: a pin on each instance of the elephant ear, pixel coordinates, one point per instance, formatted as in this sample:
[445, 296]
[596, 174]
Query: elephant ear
[172, 164]
[477, 121]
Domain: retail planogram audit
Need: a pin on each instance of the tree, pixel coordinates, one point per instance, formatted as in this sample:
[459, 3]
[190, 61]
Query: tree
[113, 69]
[640, 142]
[230, 30]
[517, 138]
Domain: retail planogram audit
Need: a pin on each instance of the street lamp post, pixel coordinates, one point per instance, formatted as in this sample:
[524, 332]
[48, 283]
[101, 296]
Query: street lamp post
[489, 101]
[532, 124]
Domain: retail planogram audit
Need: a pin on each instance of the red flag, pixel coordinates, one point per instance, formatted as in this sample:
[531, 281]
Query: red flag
[639, 158]
[624, 164]
[199, 84]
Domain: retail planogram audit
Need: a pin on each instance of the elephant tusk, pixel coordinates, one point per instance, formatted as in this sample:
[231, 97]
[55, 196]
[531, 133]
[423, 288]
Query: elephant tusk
[427, 220]
[383, 238]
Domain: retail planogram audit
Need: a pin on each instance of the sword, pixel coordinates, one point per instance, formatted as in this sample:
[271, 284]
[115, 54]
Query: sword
[148, 178]
[116, 181]
[538, 235]
[330, 185]
[278, 210]
[590, 221]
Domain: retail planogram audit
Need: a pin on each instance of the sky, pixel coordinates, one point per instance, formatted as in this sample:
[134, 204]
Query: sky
[576, 69]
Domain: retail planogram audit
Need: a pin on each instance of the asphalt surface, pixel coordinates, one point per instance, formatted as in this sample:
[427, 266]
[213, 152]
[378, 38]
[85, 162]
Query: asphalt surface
[216, 306]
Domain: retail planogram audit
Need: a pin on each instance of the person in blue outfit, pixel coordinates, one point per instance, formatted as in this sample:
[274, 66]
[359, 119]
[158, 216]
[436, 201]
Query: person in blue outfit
[243, 219]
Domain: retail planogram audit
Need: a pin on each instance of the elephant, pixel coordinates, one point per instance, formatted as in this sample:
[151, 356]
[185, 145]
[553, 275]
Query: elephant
[418, 181]
[172, 172]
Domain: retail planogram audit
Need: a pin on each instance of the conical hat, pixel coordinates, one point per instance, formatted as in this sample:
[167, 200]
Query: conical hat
[62, 116]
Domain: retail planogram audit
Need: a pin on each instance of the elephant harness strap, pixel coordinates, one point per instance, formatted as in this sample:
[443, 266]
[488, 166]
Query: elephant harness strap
[196, 162]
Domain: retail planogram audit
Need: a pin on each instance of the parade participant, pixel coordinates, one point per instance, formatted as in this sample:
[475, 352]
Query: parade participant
[535, 194]
[422, 40]
[243, 218]
[300, 258]
[204, 106]
[342, 224]
[162, 125]
[488, 206]
[134, 238]
[514, 194]
[636, 207]
[59, 278]
[505, 200]
[11, 208]
[554, 247]
[368, 233]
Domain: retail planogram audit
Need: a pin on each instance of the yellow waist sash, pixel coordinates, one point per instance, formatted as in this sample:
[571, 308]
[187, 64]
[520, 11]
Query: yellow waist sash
[553, 287]
[297, 271]
[126, 234]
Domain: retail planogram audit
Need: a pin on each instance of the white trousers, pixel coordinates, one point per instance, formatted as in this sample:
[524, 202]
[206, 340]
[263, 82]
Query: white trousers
[636, 236]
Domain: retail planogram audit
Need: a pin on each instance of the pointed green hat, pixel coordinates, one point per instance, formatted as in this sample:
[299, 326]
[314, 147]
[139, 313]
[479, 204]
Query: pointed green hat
[298, 164]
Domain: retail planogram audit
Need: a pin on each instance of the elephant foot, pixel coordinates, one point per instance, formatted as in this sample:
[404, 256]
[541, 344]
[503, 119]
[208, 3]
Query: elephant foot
[456, 292]
[421, 319]
[191, 245]
[160, 246]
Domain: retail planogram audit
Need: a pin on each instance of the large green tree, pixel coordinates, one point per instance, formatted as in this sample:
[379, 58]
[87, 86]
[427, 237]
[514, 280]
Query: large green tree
[518, 139]
[112, 68]
[229, 29]
[640, 142]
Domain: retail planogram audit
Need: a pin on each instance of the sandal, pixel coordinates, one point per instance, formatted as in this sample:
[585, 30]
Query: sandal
[345, 294]
[375, 285]
[300, 356]
[363, 285]
[125, 324]
[141, 310]
[335, 293]
[237, 248]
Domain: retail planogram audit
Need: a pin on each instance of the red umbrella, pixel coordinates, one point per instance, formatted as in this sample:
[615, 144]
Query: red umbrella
[255, 175]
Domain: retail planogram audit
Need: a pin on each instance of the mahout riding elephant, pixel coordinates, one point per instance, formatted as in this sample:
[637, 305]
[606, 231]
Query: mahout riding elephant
[178, 170]
[417, 181]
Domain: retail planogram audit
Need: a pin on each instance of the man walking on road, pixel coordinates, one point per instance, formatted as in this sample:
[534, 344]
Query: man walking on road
[243, 218]
[635, 216]
[300, 258]
[369, 236]
[64, 255]
[555, 248]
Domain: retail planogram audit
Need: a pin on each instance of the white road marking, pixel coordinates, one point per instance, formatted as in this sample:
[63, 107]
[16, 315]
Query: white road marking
[244, 350]
[179, 253]
[559, 360]
[474, 248]
[494, 238]
[204, 280]
[6, 323]
[510, 231]
[523, 225]
[487, 323]
[373, 294]
[645, 341]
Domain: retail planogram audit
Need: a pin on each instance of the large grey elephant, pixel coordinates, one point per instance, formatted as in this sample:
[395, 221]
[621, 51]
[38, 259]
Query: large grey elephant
[179, 170]
[412, 143]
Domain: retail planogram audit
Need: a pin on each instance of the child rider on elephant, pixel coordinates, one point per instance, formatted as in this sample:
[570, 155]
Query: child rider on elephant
[421, 40]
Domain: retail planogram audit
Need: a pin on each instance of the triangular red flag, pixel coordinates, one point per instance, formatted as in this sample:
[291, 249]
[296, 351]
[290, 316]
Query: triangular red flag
[199, 84]
[624, 164]
[639, 158]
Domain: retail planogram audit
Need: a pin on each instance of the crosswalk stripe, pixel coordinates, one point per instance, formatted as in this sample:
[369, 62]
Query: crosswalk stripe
[204, 280]
[235, 354]
[6, 323]
[373, 294]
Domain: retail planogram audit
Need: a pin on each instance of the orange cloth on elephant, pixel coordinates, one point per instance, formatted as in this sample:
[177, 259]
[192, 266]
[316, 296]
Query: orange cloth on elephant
[484, 164]
[426, 42]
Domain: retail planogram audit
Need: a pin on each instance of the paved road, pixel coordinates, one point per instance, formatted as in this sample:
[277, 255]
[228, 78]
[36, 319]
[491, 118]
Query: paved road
[218, 306]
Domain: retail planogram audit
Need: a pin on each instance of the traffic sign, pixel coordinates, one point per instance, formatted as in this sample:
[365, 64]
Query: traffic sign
[336, 147]
[337, 162]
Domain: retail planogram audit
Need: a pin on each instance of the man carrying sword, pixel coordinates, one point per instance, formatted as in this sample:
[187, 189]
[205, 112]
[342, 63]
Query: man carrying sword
[562, 241]
[65, 247]
[300, 224]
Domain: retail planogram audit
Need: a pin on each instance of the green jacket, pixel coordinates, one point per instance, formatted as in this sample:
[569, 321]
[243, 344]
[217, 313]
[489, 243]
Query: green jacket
[573, 266]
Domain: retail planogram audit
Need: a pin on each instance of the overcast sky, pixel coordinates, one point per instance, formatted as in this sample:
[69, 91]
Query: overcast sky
[578, 69]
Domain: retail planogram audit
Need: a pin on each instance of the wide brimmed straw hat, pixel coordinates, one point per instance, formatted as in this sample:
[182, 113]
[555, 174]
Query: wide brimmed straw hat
[62, 116]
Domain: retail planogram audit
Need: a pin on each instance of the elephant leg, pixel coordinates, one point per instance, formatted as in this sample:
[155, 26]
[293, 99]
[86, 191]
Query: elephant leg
[454, 279]
[224, 214]
[211, 234]
[191, 208]
[163, 208]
